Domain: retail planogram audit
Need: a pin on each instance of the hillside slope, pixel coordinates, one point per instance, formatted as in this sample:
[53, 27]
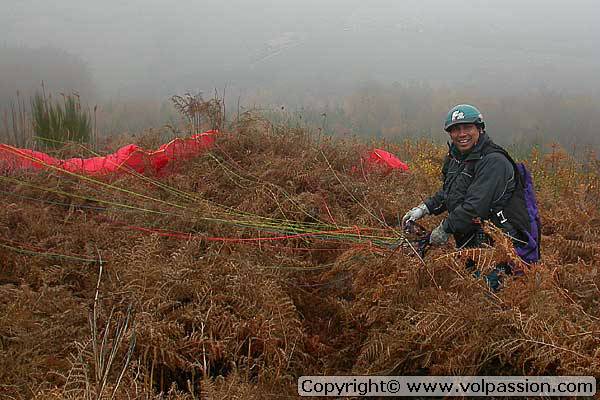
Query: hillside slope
[269, 258]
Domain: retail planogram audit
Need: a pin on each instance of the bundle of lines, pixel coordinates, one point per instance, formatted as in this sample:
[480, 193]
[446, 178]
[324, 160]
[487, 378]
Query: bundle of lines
[99, 196]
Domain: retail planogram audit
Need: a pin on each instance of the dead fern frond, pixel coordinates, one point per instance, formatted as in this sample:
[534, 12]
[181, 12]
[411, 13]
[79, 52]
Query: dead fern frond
[373, 349]
[572, 250]
[483, 259]
[78, 380]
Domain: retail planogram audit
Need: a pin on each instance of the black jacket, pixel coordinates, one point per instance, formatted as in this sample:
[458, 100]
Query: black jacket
[474, 184]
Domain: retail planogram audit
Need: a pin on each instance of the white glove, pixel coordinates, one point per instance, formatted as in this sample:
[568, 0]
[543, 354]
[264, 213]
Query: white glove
[414, 214]
[439, 236]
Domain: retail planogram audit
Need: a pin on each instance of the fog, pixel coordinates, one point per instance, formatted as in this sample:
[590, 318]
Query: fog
[296, 51]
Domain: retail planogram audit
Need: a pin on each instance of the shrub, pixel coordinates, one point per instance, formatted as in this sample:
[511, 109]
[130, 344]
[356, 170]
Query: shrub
[54, 123]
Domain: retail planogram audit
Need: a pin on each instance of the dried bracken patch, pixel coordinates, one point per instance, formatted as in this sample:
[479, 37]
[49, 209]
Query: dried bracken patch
[196, 299]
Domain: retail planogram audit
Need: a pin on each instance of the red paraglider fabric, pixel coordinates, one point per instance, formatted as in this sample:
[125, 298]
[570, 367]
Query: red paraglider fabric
[127, 158]
[386, 159]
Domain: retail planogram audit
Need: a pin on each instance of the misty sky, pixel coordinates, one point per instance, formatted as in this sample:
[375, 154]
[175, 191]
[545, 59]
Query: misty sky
[154, 47]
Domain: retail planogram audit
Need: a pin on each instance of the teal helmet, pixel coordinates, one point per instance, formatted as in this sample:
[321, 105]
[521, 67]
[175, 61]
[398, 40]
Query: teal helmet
[463, 114]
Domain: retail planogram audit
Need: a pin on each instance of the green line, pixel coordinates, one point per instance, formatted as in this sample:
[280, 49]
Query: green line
[50, 255]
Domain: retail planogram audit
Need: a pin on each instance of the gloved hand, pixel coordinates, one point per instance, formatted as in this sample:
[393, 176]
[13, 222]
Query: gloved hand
[439, 236]
[414, 214]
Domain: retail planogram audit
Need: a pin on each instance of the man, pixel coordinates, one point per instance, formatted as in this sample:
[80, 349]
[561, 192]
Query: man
[479, 180]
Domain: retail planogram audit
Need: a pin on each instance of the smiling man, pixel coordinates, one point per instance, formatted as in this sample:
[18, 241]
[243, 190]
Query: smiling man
[479, 180]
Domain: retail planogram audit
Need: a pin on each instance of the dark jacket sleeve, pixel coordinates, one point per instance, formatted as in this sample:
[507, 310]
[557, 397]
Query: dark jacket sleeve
[492, 178]
[436, 204]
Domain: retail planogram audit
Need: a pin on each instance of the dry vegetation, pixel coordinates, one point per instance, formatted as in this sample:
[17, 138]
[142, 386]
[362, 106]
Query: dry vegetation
[200, 316]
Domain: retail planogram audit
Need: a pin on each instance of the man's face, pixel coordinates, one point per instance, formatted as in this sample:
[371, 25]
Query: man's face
[464, 136]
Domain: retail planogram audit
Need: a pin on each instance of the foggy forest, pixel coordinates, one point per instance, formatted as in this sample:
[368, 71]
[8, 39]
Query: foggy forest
[379, 70]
